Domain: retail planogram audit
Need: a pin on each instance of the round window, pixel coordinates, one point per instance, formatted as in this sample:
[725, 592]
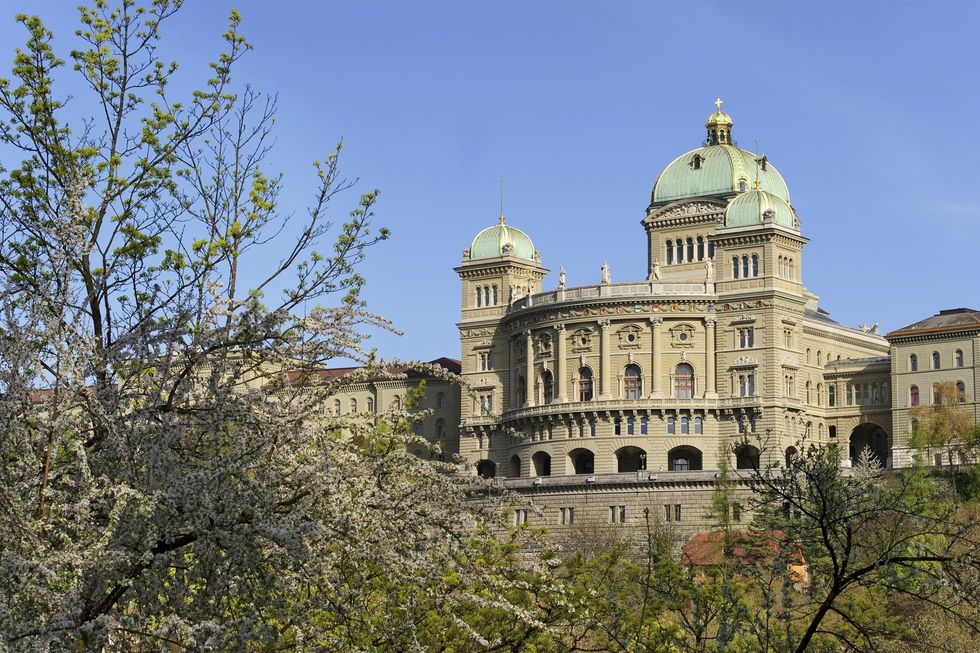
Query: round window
[631, 337]
[682, 337]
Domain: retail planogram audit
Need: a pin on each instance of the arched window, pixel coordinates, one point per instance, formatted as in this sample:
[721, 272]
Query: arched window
[690, 249]
[961, 391]
[696, 162]
[479, 298]
[336, 406]
[914, 396]
[680, 250]
[711, 250]
[630, 425]
[913, 363]
[698, 425]
[486, 295]
[547, 380]
[936, 399]
[755, 265]
[441, 400]
[353, 405]
[670, 425]
[958, 358]
[670, 252]
[495, 295]
[936, 360]
[542, 464]
[682, 459]
[521, 390]
[631, 459]
[792, 269]
[685, 425]
[790, 455]
[734, 267]
[700, 248]
[684, 381]
[515, 466]
[809, 392]
[634, 382]
[745, 267]
[831, 395]
[370, 405]
[585, 384]
[820, 394]
[396, 403]
[440, 428]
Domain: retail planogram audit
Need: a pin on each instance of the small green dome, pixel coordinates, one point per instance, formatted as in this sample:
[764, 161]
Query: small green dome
[714, 170]
[502, 240]
[753, 207]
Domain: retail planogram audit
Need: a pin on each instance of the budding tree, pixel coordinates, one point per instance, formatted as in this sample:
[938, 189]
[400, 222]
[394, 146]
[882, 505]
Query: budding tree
[163, 481]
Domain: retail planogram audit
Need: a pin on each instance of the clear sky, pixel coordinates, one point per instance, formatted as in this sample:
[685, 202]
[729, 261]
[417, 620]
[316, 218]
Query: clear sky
[866, 108]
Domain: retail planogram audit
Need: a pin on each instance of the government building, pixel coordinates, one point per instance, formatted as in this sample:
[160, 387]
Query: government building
[602, 403]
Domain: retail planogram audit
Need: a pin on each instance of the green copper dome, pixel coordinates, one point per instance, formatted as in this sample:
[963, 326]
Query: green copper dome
[717, 169]
[502, 240]
[759, 207]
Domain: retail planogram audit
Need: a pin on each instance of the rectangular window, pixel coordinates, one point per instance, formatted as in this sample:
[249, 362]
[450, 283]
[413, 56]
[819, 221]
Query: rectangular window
[677, 512]
[630, 425]
[617, 426]
[617, 514]
[746, 338]
[643, 425]
[668, 512]
[520, 516]
[567, 515]
[752, 384]
[592, 429]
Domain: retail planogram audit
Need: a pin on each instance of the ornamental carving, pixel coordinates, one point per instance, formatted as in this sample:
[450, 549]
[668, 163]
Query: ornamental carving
[745, 361]
[690, 208]
[629, 337]
[682, 336]
[582, 340]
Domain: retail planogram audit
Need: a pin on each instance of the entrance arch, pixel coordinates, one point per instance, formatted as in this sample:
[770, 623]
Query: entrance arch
[684, 459]
[873, 437]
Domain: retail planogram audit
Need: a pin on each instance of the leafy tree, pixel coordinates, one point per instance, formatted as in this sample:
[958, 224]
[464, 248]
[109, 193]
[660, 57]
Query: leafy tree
[947, 425]
[868, 537]
[165, 481]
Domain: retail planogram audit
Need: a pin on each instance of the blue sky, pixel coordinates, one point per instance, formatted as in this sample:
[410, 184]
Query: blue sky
[866, 108]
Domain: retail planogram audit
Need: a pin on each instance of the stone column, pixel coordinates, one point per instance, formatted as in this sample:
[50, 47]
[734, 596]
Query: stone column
[709, 358]
[529, 365]
[604, 362]
[561, 394]
[655, 364]
[514, 401]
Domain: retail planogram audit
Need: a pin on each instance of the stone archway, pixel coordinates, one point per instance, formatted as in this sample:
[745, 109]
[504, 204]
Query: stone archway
[870, 436]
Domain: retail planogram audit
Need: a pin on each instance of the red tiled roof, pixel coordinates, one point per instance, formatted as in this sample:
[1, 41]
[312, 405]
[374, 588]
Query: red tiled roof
[747, 546]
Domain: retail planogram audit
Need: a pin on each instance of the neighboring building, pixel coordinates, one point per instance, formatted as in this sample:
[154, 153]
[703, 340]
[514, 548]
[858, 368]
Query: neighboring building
[364, 397]
[597, 402]
[944, 347]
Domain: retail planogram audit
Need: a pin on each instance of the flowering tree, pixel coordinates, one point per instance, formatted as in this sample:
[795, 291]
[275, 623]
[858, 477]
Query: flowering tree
[164, 482]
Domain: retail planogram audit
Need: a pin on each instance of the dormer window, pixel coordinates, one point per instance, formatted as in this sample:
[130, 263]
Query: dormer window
[696, 162]
[741, 185]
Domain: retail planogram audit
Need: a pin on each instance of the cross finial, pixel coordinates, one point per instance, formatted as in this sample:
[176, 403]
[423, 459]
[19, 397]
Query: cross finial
[718, 103]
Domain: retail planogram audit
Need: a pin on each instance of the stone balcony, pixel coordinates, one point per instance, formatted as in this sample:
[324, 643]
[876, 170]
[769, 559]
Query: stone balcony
[651, 290]
[632, 405]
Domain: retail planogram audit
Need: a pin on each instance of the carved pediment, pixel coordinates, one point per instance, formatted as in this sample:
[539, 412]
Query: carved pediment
[686, 209]
[745, 361]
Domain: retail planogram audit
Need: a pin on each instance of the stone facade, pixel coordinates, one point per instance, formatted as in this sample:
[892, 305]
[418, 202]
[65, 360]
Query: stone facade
[577, 397]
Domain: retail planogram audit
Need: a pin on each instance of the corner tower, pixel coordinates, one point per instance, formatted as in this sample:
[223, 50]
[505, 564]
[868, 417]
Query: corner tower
[500, 267]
